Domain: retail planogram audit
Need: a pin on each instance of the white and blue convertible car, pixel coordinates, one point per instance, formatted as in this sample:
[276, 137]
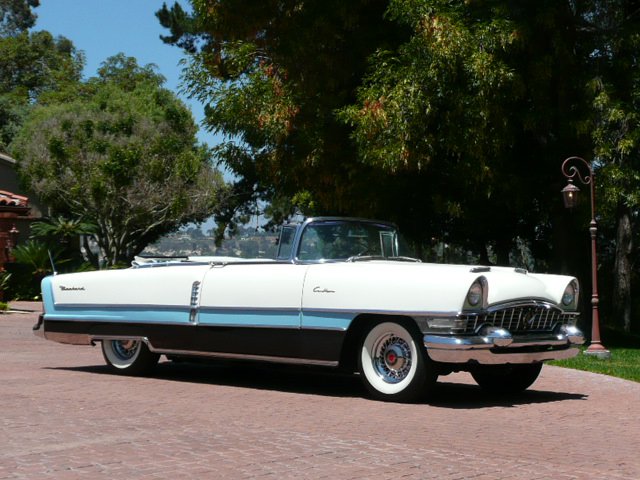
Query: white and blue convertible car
[339, 294]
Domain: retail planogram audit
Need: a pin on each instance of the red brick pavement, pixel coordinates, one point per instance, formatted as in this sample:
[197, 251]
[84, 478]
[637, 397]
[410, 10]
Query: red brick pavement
[65, 417]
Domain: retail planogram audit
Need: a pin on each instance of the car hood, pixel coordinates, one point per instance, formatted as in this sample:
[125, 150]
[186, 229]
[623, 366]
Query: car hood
[420, 287]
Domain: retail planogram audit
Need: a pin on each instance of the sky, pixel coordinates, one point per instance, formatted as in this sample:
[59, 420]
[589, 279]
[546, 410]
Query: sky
[102, 28]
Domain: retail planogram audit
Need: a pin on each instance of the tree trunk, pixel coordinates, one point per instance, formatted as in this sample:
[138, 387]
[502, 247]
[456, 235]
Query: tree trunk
[622, 269]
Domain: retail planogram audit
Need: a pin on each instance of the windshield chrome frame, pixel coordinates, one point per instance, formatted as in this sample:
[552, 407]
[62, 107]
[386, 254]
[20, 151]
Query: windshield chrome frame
[315, 220]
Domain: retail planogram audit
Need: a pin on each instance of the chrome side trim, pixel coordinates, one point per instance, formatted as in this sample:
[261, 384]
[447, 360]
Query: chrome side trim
[240, 356]
[231, 356]
[406, 313]
[108, 319]
[128, 306]
[331, 329]
[99, 338]
[194, 301]
[246, 325]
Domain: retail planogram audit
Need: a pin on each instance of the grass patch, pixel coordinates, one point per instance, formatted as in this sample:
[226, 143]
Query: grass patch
[624, 362]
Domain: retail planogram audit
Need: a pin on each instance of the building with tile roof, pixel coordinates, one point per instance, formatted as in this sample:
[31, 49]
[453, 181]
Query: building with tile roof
[16, 210]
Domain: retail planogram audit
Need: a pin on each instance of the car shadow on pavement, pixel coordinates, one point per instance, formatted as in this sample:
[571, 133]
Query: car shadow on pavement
[325, 382]
[466, 396]
[258, 376]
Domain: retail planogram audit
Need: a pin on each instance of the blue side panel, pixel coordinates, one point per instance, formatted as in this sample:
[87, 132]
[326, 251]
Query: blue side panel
[47, 294]
[129, 314]
[98, 313]
[249, 318]
[274, 318]
[327, 320]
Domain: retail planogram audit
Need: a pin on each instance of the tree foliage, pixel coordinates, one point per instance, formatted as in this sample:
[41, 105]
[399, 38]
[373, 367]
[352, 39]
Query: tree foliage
[272, 75]
[16, 16]
[615, 89]
[426, 113]
[34, 67]
[483, 99]
[121, 156]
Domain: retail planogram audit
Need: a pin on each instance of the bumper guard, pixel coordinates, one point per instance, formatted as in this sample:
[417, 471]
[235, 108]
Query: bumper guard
[495, 346]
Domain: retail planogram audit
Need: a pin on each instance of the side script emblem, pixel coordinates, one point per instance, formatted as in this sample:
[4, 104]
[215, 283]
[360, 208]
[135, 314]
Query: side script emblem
[322, 290]
[71, 289]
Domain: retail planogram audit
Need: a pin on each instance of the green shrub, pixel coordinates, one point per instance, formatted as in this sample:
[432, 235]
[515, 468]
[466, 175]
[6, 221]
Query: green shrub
[4, 283]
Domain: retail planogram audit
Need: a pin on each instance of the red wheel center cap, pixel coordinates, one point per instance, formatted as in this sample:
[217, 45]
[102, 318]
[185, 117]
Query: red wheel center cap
[392, 357]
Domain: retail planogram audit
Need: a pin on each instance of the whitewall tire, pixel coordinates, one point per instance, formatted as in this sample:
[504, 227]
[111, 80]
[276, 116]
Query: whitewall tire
[130, 357]
[393, 364]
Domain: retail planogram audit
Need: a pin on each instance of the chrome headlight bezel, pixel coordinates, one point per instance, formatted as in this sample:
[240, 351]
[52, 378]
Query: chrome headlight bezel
[476, 297]
[570, 295]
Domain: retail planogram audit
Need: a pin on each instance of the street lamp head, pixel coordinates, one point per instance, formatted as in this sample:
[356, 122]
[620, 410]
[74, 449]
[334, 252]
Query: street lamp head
[570, 195]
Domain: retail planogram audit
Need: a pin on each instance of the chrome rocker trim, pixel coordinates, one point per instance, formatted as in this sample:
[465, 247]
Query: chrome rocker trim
[224, 355]
[493, 346]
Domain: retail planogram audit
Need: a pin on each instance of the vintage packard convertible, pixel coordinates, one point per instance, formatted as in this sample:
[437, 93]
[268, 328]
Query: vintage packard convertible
[340, 294]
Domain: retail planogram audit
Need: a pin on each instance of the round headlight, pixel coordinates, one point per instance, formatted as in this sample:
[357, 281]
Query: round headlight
[474, 295]
[570, 293]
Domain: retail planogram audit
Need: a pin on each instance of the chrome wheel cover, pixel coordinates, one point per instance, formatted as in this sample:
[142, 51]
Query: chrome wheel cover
[391, 358]
[125, 349]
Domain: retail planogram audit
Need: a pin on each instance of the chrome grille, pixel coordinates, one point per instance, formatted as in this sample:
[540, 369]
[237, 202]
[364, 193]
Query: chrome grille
[521, 319]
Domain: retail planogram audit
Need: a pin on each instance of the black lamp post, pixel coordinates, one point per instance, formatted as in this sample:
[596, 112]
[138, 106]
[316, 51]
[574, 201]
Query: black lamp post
[570, 196]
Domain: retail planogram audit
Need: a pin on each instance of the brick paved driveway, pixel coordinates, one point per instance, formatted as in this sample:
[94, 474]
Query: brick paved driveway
[65, 417]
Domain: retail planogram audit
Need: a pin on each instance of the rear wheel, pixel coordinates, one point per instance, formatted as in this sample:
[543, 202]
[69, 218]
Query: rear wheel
[507, 379]
[393, 364]
[130, 357]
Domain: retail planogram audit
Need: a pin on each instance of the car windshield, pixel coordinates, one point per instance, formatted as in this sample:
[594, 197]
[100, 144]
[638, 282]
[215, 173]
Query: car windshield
[344, 240]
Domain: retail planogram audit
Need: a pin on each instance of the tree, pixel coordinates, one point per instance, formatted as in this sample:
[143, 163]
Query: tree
[272, 75]
[616, 135]
[68, 236]
[34, 67]
[483, 100]
[122, 156]
[426, 113]
[16, 16]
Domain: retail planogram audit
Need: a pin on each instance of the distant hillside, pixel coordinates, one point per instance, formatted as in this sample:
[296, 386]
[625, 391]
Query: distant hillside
[248, 243]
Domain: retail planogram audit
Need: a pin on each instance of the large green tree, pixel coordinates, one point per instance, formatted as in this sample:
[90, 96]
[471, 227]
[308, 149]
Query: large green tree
[33, 66]
[272, 75]
[483, 99]
[16, 16]
[447, 117]
[616, 133]
[122, 156]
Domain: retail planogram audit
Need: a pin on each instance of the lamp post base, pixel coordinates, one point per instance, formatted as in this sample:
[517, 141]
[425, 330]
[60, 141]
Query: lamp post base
[596, 349]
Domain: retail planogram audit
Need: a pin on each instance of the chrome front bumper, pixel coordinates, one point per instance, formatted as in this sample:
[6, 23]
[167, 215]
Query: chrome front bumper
[496, 346]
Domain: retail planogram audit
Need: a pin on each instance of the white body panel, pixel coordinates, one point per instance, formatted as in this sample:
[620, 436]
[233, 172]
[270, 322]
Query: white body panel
[376, 286]
[168, 286]
[251, 286]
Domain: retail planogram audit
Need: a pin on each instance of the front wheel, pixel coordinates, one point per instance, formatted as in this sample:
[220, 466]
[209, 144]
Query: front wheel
[393, 364]
[130, 357]
[507, 379]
